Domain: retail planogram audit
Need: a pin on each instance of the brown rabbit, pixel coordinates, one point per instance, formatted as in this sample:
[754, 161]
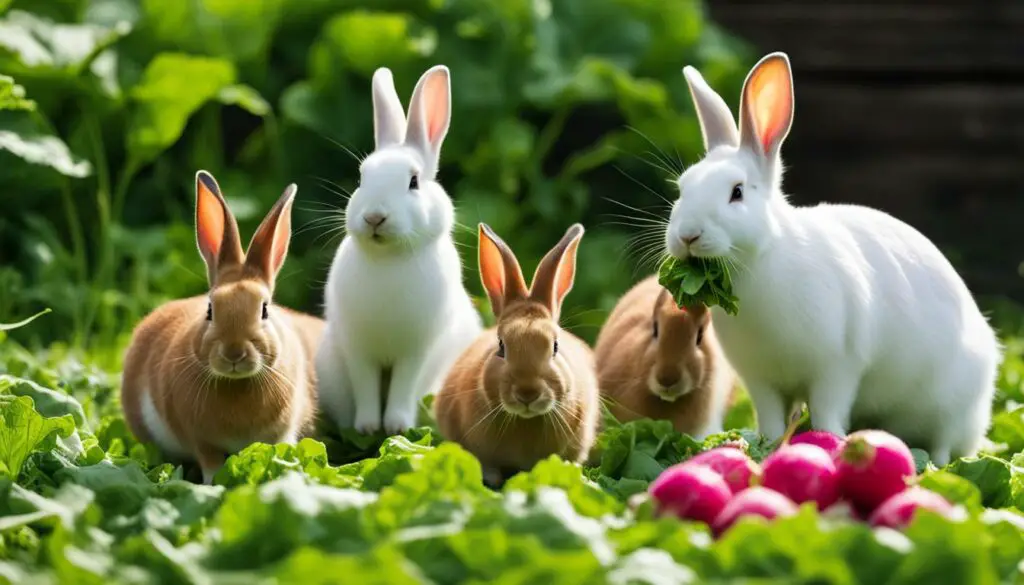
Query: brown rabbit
[525, 389]
[655, 360]
[206, 376]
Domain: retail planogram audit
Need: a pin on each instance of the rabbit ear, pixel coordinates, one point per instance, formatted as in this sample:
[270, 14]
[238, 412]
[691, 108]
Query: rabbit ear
[388, 116]
[430, 112]
[557, 271]
[766, 105]
[216, 228]
[498, 266]
[716, 122]
[269, 245]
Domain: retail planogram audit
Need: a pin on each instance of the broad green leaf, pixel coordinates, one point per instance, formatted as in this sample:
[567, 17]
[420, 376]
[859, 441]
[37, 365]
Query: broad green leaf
[237, 31]
[22, 138]
[245, 97]
[173, 87]
[23, 431]
[362, 41]
[954, 488]
[49, 403]
[992, 476]
[587, 497]
[39, 44]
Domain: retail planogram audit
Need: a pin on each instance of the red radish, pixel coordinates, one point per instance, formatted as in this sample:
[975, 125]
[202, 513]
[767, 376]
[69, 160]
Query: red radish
[753, 501]
[873, 466]
[899, 510]
[735, 467]
[824, 439]
[803, 473]
[690, 492]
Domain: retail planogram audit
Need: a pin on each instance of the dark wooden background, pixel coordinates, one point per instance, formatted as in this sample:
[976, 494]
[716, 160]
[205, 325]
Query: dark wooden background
[915, 108]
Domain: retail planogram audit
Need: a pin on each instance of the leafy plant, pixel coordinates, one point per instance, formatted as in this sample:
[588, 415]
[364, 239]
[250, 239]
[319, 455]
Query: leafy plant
[699, 281]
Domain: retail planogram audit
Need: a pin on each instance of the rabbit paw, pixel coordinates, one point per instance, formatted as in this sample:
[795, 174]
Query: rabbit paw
[396, 422]
[367, 425]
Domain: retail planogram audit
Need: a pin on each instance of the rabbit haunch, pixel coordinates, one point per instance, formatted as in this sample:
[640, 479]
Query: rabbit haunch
[206, 376]
[397, 311]
[844, 307]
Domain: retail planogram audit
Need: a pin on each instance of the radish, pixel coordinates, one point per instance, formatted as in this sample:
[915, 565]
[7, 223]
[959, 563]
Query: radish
[873, 466]
[824, 439]
[803, 473]
[735, 467]
[690, 492]
[899, 510]
[753, 501]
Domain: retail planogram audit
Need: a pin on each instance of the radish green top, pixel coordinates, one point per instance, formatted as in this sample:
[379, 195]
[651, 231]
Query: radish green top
[699, 281]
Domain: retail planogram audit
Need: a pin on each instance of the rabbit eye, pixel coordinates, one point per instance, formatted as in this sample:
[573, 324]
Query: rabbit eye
[414, 183]
[700, 335]
[209, 311]
[266, 313]
[501, 348]
[554, 353]
[737, 193]
[655, 332]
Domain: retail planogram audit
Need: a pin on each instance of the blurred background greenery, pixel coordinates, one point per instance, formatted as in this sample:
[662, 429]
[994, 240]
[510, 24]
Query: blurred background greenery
[564, 111]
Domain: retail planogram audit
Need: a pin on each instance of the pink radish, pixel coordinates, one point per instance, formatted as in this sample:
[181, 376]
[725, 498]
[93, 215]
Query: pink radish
[873, 466]
[824, 439]
[690, 492]
[803, 473]
[753, 501]
[899, 510]
[735, 467]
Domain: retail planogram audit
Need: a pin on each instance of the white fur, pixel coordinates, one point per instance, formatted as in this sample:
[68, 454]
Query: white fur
[158, 428]
[841, 306]
[398, 303]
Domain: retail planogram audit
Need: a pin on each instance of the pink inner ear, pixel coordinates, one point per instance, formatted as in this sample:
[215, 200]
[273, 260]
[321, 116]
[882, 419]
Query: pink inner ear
[773, 102]
[435, 105]
[209, 223]
[282, 235]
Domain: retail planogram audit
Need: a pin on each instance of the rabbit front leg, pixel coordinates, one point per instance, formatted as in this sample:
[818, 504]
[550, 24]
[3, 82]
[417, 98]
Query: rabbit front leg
[210, 460]
[831, 399]
[364, 375]
[404, 393]
[771, 410]
[334, 390]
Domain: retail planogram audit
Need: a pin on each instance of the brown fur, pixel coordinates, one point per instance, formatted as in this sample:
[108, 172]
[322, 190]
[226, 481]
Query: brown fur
[473, 406]
[628, 357]
[175, 352]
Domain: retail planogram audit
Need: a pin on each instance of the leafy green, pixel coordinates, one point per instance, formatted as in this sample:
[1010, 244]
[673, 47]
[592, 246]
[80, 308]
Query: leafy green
[23, 430]
[12, 96]
[699, 281]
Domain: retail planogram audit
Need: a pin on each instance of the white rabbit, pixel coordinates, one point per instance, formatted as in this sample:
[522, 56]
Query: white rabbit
[843, 307]
[397, 312]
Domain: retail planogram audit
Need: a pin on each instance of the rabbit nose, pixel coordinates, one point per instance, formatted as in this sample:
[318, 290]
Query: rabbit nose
[527, 396]
[375, 219]
[689, 239]
[233, 354]
[667, 379]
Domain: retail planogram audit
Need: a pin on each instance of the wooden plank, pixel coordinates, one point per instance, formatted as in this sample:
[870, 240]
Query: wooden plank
[967, 37]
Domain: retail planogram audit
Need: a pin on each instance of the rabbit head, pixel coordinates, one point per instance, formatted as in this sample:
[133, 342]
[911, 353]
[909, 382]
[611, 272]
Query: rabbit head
[728, 201]
[238, 338]
[526, 374]
[677, 353]
[399, 205]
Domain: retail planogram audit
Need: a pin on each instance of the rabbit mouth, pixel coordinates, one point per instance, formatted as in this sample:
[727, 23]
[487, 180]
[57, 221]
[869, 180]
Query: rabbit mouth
[668, 393]
[539, 407]
[235, 370]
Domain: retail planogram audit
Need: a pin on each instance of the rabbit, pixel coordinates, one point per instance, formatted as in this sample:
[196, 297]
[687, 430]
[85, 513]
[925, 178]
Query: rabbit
[397, 311]
[843, 307]
[656, 360]
[525, 389]
[206, 376]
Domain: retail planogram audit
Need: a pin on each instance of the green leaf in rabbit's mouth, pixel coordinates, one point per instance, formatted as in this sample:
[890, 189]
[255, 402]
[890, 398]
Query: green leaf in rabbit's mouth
[699, 281]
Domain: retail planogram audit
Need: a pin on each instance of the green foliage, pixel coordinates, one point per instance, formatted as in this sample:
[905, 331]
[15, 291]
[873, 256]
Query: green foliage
[699, 281]
[416, 511]
[558, 109]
